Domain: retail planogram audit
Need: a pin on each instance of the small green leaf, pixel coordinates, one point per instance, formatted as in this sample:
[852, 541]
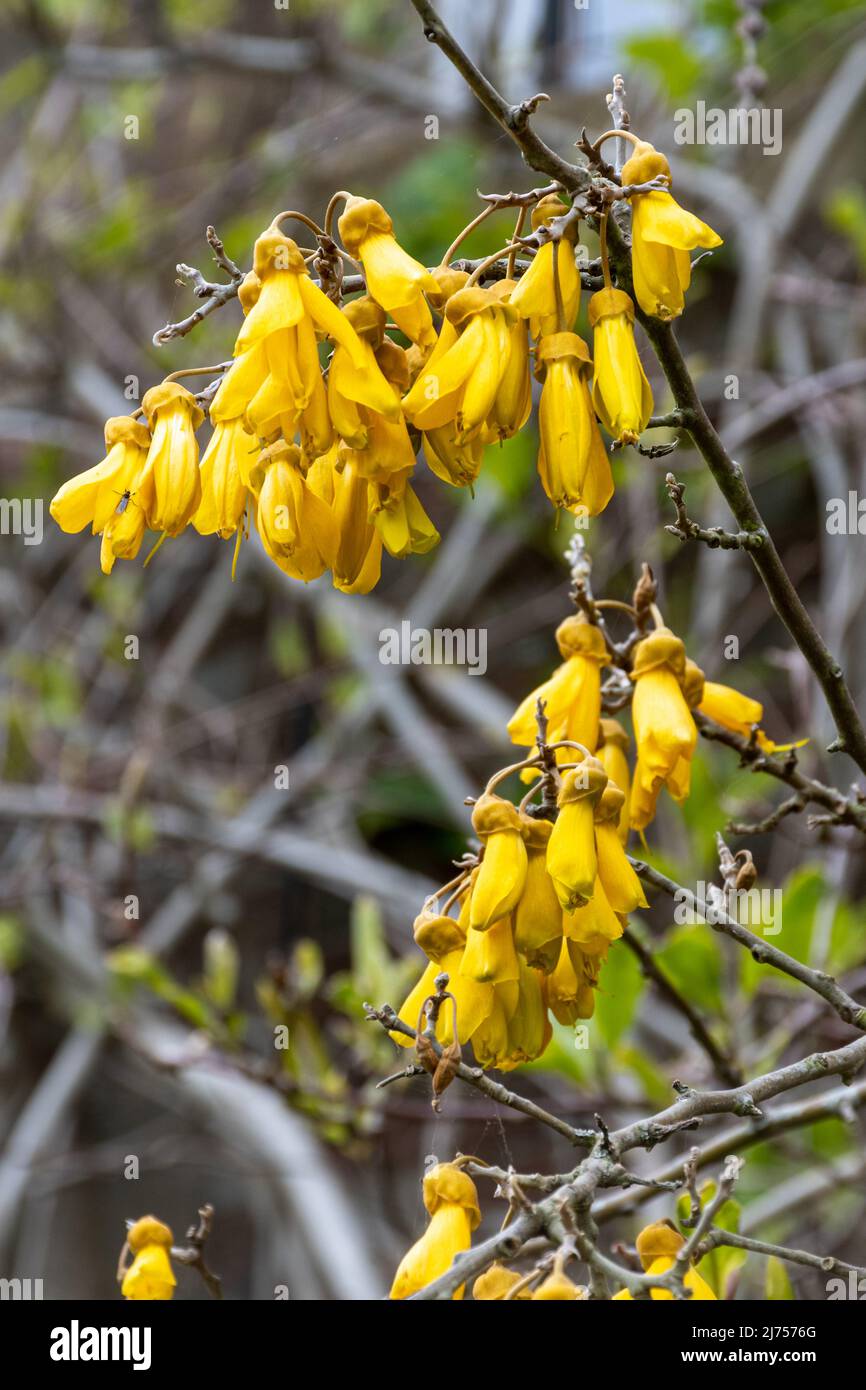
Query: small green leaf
[777, 1285]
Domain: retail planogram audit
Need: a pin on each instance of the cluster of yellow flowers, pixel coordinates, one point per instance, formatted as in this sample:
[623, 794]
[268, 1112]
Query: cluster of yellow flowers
[668, 685]
[321, 457]
[537, 910]
[150, 1276]
[451, 1199]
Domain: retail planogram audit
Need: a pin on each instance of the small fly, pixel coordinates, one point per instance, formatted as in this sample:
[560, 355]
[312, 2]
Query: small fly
[125, 499]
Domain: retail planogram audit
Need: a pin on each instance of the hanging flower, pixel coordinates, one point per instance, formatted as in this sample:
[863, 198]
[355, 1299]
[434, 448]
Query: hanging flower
[357, 393]
[497, 1281]
[296, 527]
[662, 236]
[535, 297]
[452, 1203]
[570, 988]
[463, 376]
[538, 915]
[513, 400]
[173, 416]
[571, 855]
[664, 729]
[394, 279]
[572, 695]
[226, 463]
[358, 559]
[150, 1276]
[658, 1246]
[740, 714]
[572, 460]
[613, 742]
[502, 873]
[621, 885]
[90, 498]
[621, 393]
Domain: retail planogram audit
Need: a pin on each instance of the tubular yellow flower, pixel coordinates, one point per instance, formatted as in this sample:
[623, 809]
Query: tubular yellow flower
[513, 400]
[740, 714]
[225, 464]
[90, 498]
[150, 1276]
[490, 957]
[124, 531]
[457, 464]
[529, 1030]
[572, 695]
[613, 744]
[558, 1287]
[571, 854]
[287, 296]
[296, 526]
[353, 392]
[174, 417]
[495, 1283]
[658, 1246]
[443, 940]
[621, 393]
[490, 1041]
[621, 885]
[538, 915]
[572, 460]
[594, 925]
[402, 522]
[394, 279]
[569, 991]
[662, 236]
[664, 729]
[535, 295]
[358, 561]
[502, 873]
[461, 382]
[452, 1202]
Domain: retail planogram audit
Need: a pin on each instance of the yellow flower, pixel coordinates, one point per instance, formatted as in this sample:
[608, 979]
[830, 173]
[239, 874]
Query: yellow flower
[572, 460]
[569, 990]
[297, 528]
[572, 695]
[621, 393]
[538, 915]
[664, 729]
[513, 400]
[613, 744]
[571, 854]
[529, 1030]
[621, 885]
[354, 393]
[394, 279]
[402, 522]
[124, 531]
[662, 235]
[358, 560]
[490, 1041]
[594, 924]
[225, 464]
[462, 379]
[91, 497]
[490, 956]
[457, 464]
[658, 1246]
[535, 295]
[495, 1283]
[452, 1202]
[740, 714]
[502, 873]
[443, 940]
[558, 1287]
[150, 1275]
[173, 416]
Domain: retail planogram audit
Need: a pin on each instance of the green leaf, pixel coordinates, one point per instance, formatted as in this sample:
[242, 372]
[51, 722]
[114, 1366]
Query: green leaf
[692, 959]
[777, 1285]
[802, 895]
[617, 996]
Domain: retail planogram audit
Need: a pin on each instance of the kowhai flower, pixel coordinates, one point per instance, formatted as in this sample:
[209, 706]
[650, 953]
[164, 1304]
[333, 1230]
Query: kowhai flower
[572, 861]
[535, 297]
[451, 1200]
[572, 695]
[150, 1276]
[662, 236]
[664, 729]
[394, 279]
[658, 1246]
[572, 462]
[621, 393]
[173, 416]
[90, 498]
